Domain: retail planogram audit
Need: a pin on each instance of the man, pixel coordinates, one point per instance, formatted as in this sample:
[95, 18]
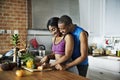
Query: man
[80, 51]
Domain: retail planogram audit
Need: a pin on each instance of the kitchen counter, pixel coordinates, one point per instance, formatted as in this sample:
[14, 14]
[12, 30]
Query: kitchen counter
[111, 57]
[45, 75]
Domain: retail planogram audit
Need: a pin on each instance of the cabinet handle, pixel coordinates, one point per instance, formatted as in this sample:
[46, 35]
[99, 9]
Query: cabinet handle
[101, 72]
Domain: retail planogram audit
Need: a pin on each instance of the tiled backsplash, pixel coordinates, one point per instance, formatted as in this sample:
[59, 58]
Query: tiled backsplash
[113, 42]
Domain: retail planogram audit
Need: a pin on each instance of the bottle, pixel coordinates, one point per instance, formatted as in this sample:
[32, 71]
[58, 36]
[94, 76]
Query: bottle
[116, 52]
[18, 62]
[15, 55]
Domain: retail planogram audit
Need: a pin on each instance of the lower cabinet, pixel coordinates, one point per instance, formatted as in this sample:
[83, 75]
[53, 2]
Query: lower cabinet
[98, 70]
[95, 73]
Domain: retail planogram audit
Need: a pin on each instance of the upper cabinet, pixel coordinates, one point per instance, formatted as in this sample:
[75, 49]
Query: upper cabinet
[112, 17]
[100, 17]
[91, 16]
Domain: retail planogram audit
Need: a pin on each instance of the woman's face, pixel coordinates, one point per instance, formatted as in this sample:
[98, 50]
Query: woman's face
[54, 30]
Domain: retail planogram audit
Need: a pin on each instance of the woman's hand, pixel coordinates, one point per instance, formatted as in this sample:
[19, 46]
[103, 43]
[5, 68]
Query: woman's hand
[44, 59]
[52, 64]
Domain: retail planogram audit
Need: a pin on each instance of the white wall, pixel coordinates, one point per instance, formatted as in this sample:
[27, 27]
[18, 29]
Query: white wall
[43, 37]
[42, 10]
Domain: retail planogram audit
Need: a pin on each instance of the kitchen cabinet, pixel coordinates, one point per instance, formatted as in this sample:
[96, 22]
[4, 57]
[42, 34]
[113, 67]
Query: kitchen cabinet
[100, 17]
[91, 16]
[96, 73]
[102, 68]
[112, 17]
[105, 63]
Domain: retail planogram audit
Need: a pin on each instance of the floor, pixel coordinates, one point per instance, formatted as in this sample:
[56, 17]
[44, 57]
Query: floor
[101, 74]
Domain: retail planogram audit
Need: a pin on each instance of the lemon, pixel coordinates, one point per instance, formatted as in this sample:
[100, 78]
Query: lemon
[30, 64]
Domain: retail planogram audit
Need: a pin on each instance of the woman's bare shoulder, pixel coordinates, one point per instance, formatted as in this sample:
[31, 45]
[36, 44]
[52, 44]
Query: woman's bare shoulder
[68, 36]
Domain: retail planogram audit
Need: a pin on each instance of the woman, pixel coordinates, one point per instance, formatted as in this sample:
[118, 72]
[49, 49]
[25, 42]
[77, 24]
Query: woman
[62, 46]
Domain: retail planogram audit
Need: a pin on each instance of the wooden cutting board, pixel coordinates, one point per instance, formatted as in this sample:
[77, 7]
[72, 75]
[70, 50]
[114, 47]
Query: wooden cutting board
[34, 70]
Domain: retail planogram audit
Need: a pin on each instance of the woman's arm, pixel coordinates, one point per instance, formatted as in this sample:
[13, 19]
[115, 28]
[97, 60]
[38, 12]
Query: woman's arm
[50, 56]
[69, 45]
[47, 58]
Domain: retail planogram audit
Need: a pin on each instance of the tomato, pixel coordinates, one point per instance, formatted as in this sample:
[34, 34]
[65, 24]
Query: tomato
[19, 73]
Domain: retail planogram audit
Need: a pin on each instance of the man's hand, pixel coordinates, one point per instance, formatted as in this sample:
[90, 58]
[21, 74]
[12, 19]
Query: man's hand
[60, 67]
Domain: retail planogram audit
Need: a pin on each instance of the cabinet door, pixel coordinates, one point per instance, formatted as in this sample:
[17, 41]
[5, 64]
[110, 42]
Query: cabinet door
[95, 73]
[84, 13]
[112, 17]
[91, 16]
[95, 17]
[107, 64]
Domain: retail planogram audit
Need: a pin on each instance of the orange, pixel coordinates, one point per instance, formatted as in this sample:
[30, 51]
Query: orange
[19, 73]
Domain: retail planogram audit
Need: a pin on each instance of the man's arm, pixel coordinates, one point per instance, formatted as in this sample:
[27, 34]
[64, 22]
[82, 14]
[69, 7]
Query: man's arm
[83, 50]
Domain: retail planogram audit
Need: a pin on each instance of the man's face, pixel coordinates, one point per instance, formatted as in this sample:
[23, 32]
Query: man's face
[63, 29]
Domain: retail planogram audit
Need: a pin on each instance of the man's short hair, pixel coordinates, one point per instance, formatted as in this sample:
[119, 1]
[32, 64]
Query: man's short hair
[65, 19]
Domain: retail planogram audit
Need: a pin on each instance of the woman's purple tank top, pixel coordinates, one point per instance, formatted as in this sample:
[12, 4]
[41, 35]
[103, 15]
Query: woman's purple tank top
[59, 48]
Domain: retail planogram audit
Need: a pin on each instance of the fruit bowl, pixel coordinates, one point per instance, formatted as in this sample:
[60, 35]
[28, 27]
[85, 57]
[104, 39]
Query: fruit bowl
[8, 66]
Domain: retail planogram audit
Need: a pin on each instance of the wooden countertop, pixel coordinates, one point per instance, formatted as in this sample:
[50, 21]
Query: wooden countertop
[45, 75]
